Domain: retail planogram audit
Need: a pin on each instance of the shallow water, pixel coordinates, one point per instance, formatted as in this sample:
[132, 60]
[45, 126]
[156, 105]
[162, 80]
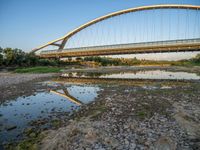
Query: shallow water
[42, 105]
[150, 74]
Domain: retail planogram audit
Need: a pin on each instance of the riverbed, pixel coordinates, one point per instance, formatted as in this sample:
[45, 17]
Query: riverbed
[103, 108]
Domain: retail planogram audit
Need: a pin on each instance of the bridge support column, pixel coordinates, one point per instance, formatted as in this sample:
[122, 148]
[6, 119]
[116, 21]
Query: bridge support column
[62, 44]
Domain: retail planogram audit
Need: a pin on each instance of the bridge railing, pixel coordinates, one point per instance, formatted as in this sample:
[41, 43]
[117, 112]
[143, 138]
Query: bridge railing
[130, 45]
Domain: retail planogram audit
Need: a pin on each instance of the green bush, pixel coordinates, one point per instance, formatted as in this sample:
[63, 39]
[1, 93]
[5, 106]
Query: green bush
[1, 59]
[197, 58]
[18, 58]
[104, 61]
[38, 70]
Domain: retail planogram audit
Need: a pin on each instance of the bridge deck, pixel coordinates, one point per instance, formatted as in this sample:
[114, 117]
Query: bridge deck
[133, 48]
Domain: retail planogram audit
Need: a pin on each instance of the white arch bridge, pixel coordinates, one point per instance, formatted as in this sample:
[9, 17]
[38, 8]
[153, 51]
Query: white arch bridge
[146, 29]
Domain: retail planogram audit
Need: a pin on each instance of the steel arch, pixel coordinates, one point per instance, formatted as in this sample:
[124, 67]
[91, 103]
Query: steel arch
[76, 30]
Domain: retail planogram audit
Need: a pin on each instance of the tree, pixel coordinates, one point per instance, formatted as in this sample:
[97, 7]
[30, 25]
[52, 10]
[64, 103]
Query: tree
[197, 58]
[1, 50]
[14, 56]
[19, 57]
[9, 56]
[31, 59]
[1, 56]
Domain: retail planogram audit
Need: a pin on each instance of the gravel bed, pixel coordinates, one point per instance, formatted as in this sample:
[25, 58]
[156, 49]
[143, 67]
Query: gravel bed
[134, 118]
[14, 85]
[8, 79]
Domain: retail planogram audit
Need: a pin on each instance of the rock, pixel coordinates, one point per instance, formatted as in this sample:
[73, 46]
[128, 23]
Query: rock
[165, 143]
[126, 126]
[4, 104]
[126, 142]
[107, 140]
[116, 130]
[91, 135]
[33, 135]
[11, 127]
[132, 146]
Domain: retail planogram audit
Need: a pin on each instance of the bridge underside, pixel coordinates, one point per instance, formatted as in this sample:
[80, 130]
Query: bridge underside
[122, 50]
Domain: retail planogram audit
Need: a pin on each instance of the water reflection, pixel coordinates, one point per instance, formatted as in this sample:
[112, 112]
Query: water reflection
[58, 101]
[67, 95]
[149, 74]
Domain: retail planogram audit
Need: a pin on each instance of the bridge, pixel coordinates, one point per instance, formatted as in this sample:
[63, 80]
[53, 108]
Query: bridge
[146, 29]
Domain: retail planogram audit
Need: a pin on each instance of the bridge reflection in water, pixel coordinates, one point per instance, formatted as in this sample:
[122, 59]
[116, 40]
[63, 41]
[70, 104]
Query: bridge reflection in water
[128, 77]
[67, 95]
[133, 75]
[136, 78]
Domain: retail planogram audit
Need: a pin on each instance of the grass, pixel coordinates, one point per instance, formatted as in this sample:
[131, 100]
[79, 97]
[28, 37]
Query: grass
[45, 69]
[141, 114]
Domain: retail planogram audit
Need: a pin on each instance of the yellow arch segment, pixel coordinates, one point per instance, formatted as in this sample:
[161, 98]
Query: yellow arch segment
[68, 97]
[70, 34]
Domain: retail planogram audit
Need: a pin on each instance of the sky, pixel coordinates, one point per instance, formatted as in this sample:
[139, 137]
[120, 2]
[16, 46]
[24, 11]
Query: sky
[27, 24]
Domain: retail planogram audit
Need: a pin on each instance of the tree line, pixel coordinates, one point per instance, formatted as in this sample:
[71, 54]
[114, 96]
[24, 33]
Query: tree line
[107, 61]
[18, 58]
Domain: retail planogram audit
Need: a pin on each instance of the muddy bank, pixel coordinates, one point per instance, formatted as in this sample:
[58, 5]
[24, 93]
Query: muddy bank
[13, 85]
[134, 117]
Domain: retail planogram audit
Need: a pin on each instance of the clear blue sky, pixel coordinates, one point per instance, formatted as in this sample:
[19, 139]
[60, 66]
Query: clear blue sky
[27, 24]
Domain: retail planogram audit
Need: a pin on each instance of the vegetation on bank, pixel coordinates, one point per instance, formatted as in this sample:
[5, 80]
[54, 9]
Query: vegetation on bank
[29, 62]
[107, 61]
[40, 69]
[17, 58]
[194, 61]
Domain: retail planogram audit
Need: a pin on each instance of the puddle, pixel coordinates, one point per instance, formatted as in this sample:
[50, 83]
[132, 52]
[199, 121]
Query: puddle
[149, 87]
[16, 115]
[153, 74]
